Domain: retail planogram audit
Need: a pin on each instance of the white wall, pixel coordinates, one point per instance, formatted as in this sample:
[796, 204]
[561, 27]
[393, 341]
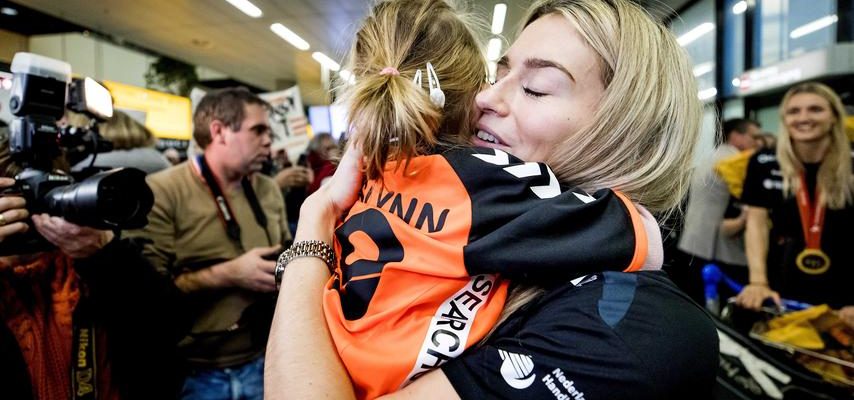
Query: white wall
[94, 58]
[5, 115]
[708, 133]
[733, 108]
[769, 118]
[100, 59]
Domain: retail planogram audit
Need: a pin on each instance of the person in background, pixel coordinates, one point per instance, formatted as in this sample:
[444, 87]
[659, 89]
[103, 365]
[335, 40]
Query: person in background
[293, 180]
[133, 146]
[766, 140]
[215, 223]
[800, 206]
[714, 220]
[322, 151]
[172, 155]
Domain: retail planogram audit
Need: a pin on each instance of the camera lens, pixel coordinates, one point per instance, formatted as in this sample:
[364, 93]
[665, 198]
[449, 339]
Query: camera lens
[115, 199]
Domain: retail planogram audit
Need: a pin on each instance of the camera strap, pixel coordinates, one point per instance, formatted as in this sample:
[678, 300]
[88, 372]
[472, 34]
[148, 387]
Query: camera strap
[232, 228]
[83, 370]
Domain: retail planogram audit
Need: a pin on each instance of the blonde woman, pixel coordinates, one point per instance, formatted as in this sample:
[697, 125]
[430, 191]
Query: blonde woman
[580, 90]
[133, 146]
[800, 210]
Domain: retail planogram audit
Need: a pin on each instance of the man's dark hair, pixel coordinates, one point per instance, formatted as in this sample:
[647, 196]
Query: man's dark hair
[226, 105]
[736, 124]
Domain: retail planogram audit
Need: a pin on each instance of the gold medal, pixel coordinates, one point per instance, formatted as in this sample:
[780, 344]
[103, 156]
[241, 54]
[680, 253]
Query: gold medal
[813, 261]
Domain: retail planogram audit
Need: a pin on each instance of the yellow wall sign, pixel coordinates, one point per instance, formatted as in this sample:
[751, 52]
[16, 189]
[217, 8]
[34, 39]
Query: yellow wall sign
[166, 115]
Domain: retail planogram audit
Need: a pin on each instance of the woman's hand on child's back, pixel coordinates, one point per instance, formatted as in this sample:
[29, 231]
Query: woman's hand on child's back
[320, 211]
[342, 190]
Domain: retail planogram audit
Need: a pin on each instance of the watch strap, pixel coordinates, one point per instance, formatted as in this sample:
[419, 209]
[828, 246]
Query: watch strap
[307, 248]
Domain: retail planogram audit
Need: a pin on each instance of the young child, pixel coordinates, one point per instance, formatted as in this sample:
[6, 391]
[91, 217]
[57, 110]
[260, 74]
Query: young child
[439, 225]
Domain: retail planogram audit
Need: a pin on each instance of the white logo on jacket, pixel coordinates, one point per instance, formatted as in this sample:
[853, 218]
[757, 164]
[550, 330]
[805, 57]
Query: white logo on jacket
[517, 369]
[525, 170]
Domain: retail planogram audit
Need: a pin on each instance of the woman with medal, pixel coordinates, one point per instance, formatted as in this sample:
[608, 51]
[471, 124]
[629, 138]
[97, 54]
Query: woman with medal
[800, 209]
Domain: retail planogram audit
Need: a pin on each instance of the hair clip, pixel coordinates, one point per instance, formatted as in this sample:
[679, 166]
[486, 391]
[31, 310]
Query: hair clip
[437, 96]
[417, 79]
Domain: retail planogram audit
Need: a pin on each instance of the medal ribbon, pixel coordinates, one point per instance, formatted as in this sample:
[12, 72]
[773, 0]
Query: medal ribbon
[812, 217]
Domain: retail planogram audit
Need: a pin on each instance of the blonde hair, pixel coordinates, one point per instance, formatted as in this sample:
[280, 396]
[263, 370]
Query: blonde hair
[394, 117]
[646, 126]
[835, 180]
[126, 133]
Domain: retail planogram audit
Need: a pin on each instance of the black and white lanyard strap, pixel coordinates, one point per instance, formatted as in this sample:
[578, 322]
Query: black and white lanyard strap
[232, 228]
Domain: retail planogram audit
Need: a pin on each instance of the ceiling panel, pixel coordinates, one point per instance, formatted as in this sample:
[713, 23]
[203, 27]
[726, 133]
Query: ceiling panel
[237, 45]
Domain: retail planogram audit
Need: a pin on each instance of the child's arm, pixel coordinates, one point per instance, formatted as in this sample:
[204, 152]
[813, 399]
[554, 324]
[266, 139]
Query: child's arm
[526, 225]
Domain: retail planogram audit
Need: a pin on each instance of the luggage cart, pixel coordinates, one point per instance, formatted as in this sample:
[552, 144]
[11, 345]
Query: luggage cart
[751, 367]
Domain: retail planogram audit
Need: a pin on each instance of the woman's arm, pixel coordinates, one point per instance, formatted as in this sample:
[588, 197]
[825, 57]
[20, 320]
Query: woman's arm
[734, 226]
[302, 362]
[756, 247]
[433, 385]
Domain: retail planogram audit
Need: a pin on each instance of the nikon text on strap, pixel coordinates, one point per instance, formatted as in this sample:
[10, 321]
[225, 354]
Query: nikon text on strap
[83, 370]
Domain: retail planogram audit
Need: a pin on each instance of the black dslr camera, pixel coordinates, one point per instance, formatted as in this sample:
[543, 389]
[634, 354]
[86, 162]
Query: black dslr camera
[42, 88]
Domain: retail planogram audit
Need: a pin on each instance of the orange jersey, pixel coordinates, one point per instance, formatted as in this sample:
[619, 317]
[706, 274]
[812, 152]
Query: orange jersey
[424, 253]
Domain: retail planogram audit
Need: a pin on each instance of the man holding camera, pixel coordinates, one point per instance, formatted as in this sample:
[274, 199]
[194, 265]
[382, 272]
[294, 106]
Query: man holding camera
[93, 297]
[216, 227]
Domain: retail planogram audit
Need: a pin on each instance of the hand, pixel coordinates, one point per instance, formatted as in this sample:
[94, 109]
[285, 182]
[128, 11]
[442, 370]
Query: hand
[251, 271]
[293, 177]
[753, 295]
[73, 240]
[343, 187]
[846, 314]
[13, 211]
[320, 210]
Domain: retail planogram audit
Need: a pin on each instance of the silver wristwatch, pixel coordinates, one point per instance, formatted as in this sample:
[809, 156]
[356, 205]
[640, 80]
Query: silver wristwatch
[308, 248]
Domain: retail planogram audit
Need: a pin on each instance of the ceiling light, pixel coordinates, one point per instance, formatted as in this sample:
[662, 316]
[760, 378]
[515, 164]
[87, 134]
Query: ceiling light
[704, 68]
[739, 7]
[706, 94]
[695, 33]
[493, 70]
[325, 61]
[498, 18]
[347, 76]
[493, 50]
[247, 7]
[289, 36]
[811, 27]
[9, 11]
